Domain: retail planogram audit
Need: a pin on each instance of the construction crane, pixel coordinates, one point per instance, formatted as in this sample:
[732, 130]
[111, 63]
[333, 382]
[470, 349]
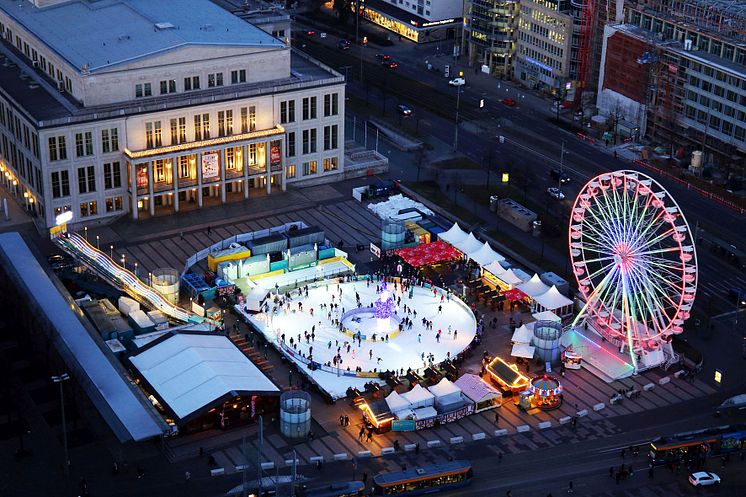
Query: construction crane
[585, 47]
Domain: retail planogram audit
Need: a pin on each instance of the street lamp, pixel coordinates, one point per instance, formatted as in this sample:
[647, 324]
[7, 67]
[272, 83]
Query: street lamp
[111, 252]
[97, 245]
[458, 101]
[135, 270]
[124, 262]
[60, 379]
[85, 230]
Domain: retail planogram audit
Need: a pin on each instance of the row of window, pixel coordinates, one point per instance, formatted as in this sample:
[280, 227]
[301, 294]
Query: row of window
[21, 163]
[190, 83]
[38, 59]
[309, 104]
[86, 179]
[541, 44]
[311, 167]
[19, 129]
[716, 123]
[309, 142]
[90, 208]
[57, 145]
[202, 129]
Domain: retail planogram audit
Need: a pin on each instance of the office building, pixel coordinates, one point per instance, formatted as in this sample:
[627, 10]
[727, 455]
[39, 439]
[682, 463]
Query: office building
[490, 28]
[421, 21]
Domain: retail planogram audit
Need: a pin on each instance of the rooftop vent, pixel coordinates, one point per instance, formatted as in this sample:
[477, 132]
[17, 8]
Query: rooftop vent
[206, 27]
[162, 26]
[123, 37]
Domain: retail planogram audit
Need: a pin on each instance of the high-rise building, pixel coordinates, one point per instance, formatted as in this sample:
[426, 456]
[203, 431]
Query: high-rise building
[490, 28]
[421, 21]
[116, 107]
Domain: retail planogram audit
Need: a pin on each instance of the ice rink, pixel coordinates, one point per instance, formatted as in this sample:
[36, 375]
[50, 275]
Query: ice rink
[410, 349]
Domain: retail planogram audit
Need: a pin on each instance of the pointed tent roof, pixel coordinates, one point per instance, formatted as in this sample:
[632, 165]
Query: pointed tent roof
[546, 316]
[469, 244]
[510, 278]
[494, 268]
[552, 299]
[485, 255]
[396, 402]
[476, 388]
[534, 287]
[417, 395]
[522, 335]
[444, 387]
[523, 350]
[453, 235]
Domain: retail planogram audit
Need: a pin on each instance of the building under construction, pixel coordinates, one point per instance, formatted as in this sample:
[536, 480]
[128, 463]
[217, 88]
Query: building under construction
[676, 69]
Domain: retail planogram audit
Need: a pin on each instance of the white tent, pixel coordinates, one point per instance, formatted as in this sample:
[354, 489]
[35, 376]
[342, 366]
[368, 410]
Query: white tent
[445, 392]
[523, 350]
[552, 299]
[418, 397]
[546, 316]
[396, 402]
[522, 335]
[494, 268]
[453, 235]
[469, 245]
[534, 287]
[254, 298]
[424, 413]
[510, 278]
[485, 255]
[484, 395]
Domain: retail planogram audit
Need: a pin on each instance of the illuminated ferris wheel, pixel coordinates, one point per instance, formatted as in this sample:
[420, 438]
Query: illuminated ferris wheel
[634, 260]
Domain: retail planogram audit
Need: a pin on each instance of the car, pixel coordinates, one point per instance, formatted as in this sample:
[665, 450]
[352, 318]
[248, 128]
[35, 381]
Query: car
[737, 296]
[560, 176]
[457, 82]
[704, 479]
[392, 64]
[508, 101]
[383, 57]
[555, 193]
[59, 262]
[404, 110]
[564, 105]
[344, 44]
[310, 32]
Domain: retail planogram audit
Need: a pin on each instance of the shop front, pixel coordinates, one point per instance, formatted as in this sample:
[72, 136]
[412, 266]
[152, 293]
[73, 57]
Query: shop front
[408, 25]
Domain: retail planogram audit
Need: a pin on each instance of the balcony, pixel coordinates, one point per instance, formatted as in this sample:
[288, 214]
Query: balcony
[277, 130]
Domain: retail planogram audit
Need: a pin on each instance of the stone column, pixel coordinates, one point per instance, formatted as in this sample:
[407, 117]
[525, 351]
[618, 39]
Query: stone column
[175, 178]
[267, 168]
[151, 197]
[222, 162]
[245, 162]
[197, 158]
[133, 187]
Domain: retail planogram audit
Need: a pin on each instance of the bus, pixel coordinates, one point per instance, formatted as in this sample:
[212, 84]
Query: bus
[424, 480]
[698, 445]
[336, 489]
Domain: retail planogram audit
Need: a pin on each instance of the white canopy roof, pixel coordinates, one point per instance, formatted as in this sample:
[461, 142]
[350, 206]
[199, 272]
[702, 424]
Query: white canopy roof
[495, 268]
[534, 287]
[476, 389]
[443, 388]
[552, 299]
[469, 245]
[522, 335]
[523, 350]
[546, 316]
[418, 397]
[191, 371]
[453, 235]
[485, 255]
[424, 413]
[510, 278]
[396, 402]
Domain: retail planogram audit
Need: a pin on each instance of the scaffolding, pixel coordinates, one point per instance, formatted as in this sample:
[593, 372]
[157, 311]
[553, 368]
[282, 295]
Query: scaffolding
[725, 18]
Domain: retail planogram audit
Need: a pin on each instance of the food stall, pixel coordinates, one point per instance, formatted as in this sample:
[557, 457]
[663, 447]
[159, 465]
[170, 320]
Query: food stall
[507, 376]
[571, 359]
[482, 394]
[378, 414]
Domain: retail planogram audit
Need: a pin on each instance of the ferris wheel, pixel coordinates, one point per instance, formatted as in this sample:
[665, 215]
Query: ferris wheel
[634, 259]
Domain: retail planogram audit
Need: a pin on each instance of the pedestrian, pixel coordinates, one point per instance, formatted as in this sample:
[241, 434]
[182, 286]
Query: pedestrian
[574, 422]
[341, 420]
[347, 420]
[440, 309]
[187, 476]
[209, 229]
[499, 457]
[419, 337]
[181, 235]
[497, 418]
[455, 334]
[417, 448]
[361, 433]
[569, 488]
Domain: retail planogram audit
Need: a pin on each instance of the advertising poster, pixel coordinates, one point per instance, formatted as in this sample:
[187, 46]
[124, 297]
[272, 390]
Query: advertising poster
[275, 154]
[210, 165]
[142, 175]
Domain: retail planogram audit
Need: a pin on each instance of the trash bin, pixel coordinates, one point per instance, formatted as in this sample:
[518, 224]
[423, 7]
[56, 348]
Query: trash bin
[536, 225]
[493, 203]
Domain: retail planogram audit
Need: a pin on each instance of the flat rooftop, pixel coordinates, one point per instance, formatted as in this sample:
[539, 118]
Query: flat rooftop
[32, 89]
[104, 33]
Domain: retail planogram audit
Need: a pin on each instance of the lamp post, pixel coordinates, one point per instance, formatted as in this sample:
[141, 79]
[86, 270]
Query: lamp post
[124, 262]
[150, 279]
[60, 379]
[458, 102]
[135, 270]
[85, 231]
[111, 252]
[97, 245]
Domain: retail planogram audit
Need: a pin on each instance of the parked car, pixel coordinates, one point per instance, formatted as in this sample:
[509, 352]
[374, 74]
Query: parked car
[704, 479]
[508, 101]
[457, 82]
[555, 193]
[344, 44]
[562, 177]
[404, 110]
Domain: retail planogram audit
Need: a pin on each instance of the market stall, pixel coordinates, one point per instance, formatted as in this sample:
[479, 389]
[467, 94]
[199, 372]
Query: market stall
[418, 397]
[523, 350]
[430, 253]
[547, 392]
[553, 300]
[533, 287]
[507, 376]
[453, 235]
[469, 244]
[484, 255]
[446, 394]
[378, 414]
[482, 394]
[397, 403]
[523, 334]
[546, 316]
